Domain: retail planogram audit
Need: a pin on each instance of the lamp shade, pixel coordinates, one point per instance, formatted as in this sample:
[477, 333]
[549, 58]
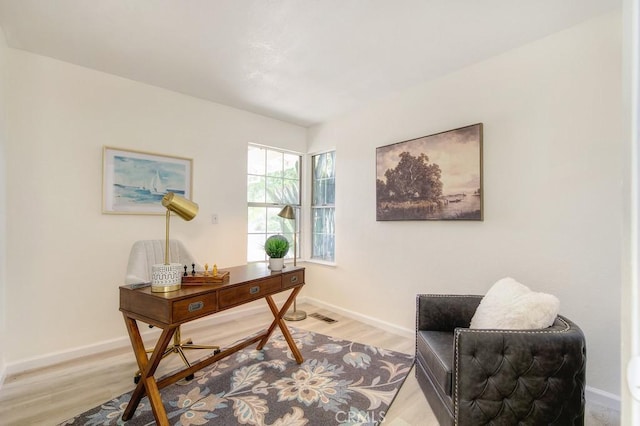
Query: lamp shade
[184, 208]
[287, 212]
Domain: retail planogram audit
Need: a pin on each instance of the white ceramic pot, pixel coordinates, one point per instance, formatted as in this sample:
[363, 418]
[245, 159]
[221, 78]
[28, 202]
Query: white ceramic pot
[276, 264]
[165, 278]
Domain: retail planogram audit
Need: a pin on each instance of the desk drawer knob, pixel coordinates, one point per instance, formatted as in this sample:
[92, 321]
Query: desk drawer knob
[254, 290]
[294, 279]
[195, 306]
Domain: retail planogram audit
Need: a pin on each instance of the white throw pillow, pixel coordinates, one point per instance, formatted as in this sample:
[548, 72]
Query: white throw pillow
[510, 305]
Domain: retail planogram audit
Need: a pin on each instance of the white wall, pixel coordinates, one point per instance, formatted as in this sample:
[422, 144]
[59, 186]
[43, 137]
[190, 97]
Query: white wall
[3, 215]
[630, 310]
[552, 183]
[552, 160]
[65, 258]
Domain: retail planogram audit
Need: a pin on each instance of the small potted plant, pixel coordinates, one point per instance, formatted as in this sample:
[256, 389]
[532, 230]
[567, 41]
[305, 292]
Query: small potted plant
[276, 248]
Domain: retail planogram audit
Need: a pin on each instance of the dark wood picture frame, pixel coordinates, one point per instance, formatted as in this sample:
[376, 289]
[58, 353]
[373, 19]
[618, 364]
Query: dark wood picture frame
[435, 177]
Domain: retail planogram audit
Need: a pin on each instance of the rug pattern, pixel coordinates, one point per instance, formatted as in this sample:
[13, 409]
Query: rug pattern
[339, 383]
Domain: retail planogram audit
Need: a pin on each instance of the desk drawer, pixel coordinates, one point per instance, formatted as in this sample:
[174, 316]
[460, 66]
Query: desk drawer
[292, 278]
[250, 291]
[194, 307]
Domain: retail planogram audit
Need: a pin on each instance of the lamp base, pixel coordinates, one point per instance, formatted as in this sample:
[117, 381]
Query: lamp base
[166, 278]
[295, 315]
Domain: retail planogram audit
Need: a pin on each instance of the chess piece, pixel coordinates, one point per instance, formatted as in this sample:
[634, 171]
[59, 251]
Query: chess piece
[185, 271]
[193, 269]
[206, 269]
[215, 270]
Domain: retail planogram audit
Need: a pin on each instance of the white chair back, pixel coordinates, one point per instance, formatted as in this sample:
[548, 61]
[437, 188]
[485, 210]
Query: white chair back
[146, 253]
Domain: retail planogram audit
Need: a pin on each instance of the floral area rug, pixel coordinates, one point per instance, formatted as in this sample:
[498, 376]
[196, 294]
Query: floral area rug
[339, 383]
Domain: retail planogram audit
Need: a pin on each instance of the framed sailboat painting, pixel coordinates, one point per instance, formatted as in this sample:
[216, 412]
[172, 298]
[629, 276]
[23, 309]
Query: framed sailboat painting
[134, 182]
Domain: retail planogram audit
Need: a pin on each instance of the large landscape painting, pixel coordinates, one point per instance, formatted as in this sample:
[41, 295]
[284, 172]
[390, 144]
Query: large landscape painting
[436, 177]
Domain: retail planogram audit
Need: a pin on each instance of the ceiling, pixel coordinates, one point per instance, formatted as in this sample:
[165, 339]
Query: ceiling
[301, 61]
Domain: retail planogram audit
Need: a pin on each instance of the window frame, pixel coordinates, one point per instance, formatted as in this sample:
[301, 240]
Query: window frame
[266, 205]
[312, 209]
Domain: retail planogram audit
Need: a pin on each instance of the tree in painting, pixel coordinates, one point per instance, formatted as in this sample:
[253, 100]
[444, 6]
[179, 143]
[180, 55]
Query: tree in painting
[412, 179]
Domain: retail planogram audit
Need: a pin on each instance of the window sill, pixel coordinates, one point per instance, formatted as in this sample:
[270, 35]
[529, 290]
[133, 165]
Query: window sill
[290, 262]
[321, 262]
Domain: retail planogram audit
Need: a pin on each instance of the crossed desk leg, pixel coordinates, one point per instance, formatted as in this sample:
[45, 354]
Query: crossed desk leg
[278, 321]
[147, 367]
[150, 387]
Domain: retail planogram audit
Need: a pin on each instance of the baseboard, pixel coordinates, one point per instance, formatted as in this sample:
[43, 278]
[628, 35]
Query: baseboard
[148, 335]
[604, 399]
[392, 328]
[592, 395]
[53, 358]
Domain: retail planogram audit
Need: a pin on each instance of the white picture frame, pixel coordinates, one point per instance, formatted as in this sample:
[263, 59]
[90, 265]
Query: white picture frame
[134, 182]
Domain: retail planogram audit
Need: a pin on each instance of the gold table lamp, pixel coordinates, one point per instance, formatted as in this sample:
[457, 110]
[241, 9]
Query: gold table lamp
[288, 212]
[168, 276]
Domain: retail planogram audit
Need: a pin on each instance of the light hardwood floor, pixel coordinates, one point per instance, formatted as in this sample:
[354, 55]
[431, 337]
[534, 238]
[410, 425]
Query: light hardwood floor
[51, 395]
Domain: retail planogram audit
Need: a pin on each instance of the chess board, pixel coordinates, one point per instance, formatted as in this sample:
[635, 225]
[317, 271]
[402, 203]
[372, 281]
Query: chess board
[200, 278]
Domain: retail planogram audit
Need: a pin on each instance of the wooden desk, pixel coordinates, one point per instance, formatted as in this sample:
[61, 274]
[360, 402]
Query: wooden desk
[169, 310]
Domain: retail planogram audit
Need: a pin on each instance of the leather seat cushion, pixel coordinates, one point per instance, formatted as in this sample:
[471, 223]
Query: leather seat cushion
[435, 349]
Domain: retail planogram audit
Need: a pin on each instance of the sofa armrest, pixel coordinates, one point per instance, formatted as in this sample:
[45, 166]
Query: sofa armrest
[443, 312]
[512, 376]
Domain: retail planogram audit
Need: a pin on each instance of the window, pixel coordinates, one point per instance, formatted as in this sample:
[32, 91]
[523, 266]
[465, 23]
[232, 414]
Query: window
[323, 206]
[273, 181]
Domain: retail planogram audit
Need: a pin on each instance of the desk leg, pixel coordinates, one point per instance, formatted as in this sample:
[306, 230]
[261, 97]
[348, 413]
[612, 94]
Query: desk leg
[147, 367]
[279, 322]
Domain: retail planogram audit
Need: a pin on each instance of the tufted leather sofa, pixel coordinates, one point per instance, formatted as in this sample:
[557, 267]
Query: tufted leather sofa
[497, 377]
